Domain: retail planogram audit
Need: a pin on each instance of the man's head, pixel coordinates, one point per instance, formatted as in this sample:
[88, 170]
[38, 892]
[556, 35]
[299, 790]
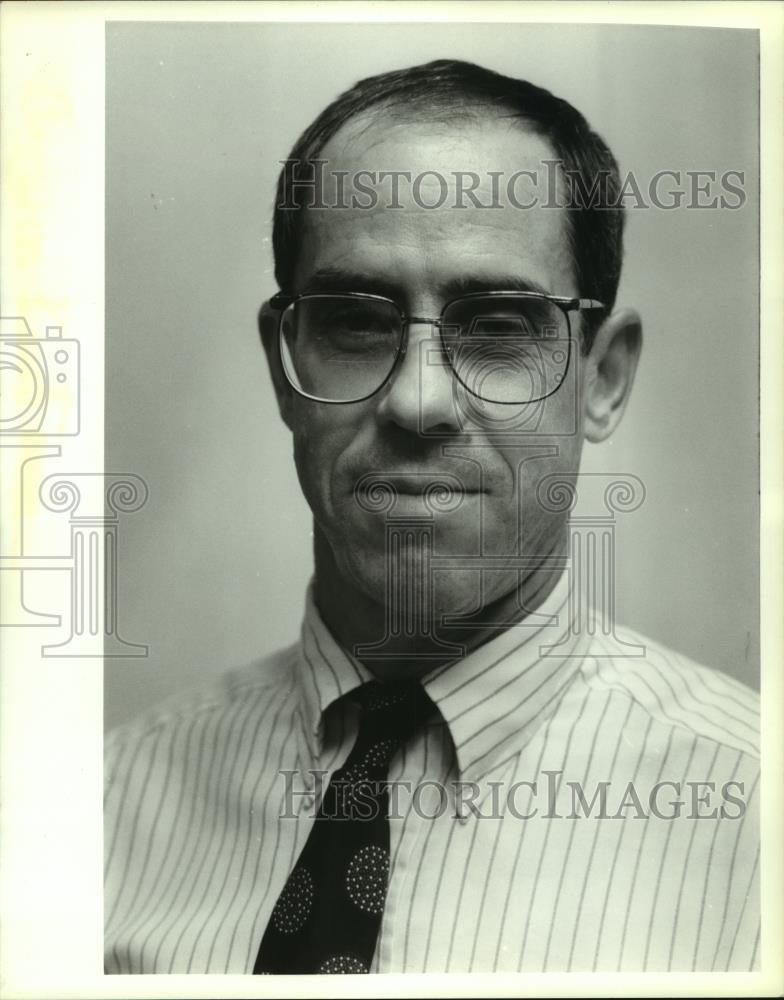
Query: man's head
[422, 424]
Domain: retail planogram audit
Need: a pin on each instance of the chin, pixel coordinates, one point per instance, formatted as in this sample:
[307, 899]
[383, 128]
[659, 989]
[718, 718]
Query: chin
[407, 579]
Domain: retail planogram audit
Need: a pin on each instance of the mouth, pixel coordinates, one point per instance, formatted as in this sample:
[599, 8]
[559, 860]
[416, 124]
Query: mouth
[437, 491]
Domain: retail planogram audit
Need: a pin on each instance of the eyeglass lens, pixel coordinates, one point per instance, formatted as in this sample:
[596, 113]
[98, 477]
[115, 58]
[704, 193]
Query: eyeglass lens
[502, 348]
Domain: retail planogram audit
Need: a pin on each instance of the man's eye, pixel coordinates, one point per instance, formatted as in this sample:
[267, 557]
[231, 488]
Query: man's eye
[358, 321]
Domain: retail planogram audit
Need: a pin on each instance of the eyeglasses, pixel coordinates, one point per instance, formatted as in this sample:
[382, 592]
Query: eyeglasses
[503, 347]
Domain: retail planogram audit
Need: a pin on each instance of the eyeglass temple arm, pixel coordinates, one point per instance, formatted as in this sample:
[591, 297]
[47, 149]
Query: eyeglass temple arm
[572, 305]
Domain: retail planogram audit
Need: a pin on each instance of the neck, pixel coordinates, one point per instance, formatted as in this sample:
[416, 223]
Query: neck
[357, 620]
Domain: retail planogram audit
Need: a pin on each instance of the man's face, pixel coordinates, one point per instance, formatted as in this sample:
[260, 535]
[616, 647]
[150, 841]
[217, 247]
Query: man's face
[418, 429]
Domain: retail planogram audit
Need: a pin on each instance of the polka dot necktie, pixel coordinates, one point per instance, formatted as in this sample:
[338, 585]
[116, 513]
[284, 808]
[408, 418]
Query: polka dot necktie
[328, 915]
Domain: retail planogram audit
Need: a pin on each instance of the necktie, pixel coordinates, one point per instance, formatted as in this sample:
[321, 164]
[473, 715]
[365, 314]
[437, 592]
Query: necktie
[328, 915]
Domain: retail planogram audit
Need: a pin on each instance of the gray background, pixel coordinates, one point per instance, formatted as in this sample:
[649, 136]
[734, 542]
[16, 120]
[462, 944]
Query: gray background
[212, 570]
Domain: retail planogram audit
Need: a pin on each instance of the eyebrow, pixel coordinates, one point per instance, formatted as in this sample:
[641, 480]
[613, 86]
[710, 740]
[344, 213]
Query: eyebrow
[331, 279]
[468, 284]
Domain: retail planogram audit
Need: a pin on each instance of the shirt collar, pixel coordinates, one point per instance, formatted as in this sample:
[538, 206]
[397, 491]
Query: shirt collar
[325, 673]
[493, 700]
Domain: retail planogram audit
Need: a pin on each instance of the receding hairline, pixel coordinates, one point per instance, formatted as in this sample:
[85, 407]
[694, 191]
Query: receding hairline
[394, 113]
[440, 109]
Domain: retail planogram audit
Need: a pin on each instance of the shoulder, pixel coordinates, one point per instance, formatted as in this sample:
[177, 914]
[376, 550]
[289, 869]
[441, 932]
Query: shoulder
[676, 691]
[272, 677]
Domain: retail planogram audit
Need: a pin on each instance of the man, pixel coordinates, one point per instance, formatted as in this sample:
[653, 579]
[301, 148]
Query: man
[462, 765]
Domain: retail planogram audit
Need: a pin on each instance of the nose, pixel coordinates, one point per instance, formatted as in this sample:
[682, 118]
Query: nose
[420, 395]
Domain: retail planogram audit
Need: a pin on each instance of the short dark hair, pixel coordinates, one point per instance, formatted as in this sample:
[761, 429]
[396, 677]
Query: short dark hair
[454, 87]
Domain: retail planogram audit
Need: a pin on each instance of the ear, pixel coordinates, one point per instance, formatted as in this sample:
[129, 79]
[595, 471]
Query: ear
[268, 328]
[609, 373]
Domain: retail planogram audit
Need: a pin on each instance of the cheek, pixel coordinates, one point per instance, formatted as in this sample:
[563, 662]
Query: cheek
[312, 460]
[534, 465]
[539, 439]
[322, 437]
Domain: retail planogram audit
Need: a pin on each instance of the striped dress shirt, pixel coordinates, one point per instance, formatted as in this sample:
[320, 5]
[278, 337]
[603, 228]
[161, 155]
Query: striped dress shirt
[576, 803]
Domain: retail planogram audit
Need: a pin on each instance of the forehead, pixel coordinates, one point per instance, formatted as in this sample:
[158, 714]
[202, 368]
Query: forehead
[419, 203]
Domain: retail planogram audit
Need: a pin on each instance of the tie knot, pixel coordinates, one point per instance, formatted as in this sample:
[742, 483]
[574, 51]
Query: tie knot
[389, 714]
[392, 703]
